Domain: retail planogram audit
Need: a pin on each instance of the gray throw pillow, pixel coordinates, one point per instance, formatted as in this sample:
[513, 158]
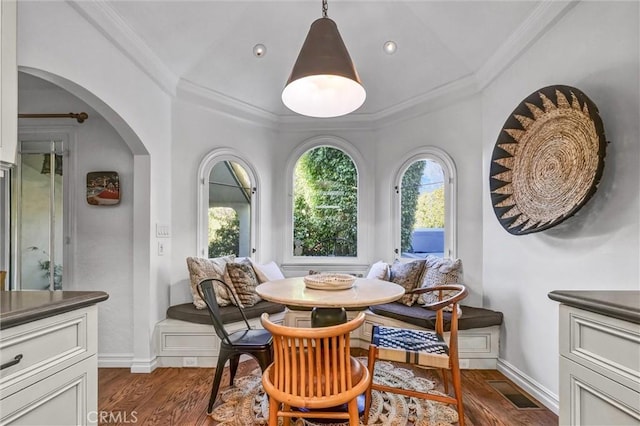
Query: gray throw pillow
[244, 282]
[409, 276]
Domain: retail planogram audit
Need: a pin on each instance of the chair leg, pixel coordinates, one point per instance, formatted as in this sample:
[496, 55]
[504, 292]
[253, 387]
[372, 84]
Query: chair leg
[445, 380]
[222, 360]
[233, 367]
[371, 365]
[457, 388]
[354, 418]
[264, 359]
[273, 412]
[286, 421]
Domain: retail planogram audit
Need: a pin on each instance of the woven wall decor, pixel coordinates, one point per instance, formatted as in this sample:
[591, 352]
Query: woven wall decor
[547, 161]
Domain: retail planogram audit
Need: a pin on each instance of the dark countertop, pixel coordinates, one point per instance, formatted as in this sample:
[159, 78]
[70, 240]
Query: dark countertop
[620, 304]
[19, 307]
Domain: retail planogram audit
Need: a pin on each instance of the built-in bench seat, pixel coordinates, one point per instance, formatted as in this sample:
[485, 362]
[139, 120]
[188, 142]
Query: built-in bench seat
[188, 312]
[187, 338]
[421, 317]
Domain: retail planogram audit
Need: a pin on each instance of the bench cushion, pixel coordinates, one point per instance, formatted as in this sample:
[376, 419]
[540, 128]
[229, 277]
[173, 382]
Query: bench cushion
[422, 317]
[188, 312]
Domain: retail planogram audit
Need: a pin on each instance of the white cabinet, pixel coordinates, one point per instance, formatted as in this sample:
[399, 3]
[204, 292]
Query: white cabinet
[55, 381]
[8, 82]
[599, 369]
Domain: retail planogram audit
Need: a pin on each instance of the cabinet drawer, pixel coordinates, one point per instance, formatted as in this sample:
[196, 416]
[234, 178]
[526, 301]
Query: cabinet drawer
[46, 346]
[606, 345]
[68, 397]
[589, 398]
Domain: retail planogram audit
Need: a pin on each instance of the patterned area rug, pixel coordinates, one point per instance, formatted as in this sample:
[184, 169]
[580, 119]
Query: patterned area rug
[246, 404]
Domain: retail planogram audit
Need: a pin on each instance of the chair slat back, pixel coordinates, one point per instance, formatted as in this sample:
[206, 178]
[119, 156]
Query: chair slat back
[312, 362]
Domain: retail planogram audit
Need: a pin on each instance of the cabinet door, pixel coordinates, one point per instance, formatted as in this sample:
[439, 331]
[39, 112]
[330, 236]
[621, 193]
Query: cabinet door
[68, 397]
[8, 82]
[589, 398]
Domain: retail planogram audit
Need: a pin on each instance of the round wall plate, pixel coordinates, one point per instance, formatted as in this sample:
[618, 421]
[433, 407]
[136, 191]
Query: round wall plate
[547, 161]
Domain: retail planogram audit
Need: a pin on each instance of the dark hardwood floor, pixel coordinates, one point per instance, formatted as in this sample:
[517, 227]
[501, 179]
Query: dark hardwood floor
[179, 397]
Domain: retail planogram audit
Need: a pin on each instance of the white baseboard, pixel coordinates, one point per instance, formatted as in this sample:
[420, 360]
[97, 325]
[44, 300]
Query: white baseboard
[115, 360]
[535, 389]
[144, 365]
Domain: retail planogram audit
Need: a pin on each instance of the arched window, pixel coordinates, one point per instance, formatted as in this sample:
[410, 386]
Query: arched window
[425, 213]
[227, 202]
[325, 207]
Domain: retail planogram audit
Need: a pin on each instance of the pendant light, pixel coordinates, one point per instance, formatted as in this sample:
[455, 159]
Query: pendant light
[324, 81]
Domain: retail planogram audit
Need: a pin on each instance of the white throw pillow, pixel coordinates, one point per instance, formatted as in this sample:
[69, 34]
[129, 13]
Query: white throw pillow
[379, 271]
[267, 272]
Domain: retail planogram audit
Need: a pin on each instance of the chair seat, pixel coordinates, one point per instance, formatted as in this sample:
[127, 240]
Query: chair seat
[250, 338]
[419, 347]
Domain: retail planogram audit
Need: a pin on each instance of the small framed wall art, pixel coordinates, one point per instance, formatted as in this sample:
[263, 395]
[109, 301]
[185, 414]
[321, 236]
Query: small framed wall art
[103, 188]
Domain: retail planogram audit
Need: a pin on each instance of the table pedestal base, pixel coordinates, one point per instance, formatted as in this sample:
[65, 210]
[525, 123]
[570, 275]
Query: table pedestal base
[326, 317]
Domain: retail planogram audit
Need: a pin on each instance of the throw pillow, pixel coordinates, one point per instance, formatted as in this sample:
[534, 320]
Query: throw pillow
[379, 271]
[408, 275]
[440, 271]
[244, 282]
[200, 269]
[267, 272]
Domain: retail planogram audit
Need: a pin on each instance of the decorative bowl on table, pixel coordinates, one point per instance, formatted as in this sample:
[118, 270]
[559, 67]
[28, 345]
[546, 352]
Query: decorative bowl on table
[329, 281]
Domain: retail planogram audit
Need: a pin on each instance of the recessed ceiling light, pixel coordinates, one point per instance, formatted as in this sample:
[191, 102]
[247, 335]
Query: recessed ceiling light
[390, 47]
[259, 50]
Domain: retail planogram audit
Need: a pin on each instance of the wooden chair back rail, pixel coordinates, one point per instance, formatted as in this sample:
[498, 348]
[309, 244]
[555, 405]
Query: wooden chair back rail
[313, 369]
[319, 371]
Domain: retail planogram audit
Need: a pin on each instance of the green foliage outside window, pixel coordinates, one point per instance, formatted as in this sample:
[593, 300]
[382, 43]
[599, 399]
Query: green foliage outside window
[325, 204]
[410, 191]
[224, 232]
[430, 210]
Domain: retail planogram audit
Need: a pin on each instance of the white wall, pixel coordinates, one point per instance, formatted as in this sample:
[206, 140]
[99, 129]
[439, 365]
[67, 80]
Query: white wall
[101, 237]
[456, 129]
[196, 132]
[595, 49]
[56, 43]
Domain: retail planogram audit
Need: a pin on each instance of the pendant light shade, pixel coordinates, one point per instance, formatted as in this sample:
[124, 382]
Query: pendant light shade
[324, 81]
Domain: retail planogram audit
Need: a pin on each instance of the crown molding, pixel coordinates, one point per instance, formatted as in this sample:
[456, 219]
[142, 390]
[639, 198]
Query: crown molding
[226, 105]
[433, 100]
[545, 15]
[106, 20]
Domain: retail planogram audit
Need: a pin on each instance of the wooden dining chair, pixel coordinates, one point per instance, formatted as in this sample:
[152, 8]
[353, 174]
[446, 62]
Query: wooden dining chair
[426, 348]
[254, 342]
[313, 372]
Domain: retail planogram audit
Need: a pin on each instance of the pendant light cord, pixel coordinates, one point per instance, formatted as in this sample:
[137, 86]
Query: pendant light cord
[325, 8]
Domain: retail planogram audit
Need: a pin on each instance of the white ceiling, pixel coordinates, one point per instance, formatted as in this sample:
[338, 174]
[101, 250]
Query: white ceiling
[207, 46]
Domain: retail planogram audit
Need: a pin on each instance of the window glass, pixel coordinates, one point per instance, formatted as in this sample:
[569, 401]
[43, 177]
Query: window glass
[422, 210]
[325, 204]
[229, 210]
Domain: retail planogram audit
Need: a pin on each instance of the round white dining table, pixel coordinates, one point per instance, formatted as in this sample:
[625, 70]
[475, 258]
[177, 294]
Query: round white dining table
[329, 303]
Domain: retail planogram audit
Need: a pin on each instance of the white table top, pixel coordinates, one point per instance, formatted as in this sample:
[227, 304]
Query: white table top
[365, 292]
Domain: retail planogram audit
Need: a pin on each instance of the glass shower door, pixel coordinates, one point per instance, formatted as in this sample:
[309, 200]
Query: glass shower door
[40, 215]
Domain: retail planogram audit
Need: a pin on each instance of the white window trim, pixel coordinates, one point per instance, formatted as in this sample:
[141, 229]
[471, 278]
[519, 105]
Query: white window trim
[364, 205]
[204, 170]
[450, 195]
